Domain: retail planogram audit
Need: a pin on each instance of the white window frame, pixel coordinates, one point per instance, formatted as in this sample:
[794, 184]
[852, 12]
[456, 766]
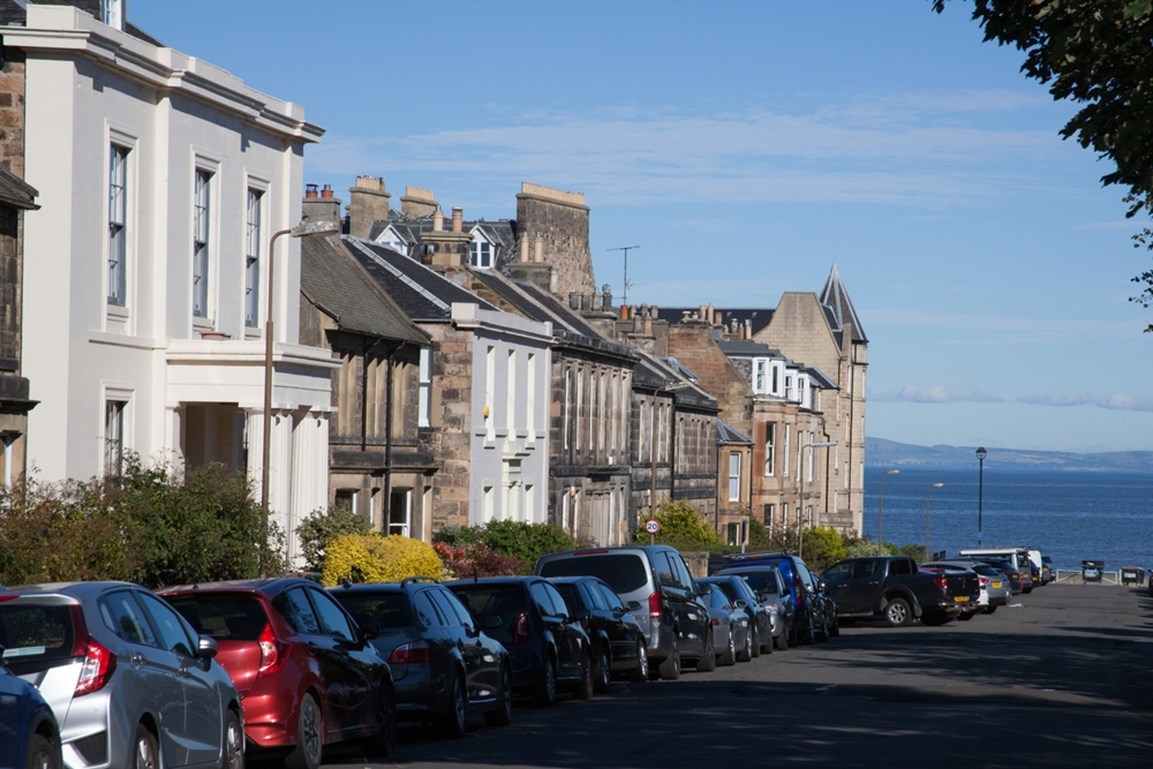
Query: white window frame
[403, 526]
[734, 476]
[119, 159]
[770, 448]
[424, 391]
[202, 218]
[253, 244]
[115, 430]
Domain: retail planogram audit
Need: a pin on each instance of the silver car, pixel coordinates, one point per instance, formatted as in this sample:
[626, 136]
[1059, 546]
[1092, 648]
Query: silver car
[130, 682]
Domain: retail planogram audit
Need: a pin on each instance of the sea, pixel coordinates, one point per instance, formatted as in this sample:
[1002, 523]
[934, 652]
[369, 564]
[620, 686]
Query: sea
[1071, 515]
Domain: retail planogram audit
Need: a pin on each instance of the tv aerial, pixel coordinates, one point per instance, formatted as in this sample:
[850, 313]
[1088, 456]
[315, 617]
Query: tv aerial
[625, 292]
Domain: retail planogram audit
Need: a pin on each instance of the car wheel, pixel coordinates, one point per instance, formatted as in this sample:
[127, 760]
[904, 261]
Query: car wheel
[455, 721]
[501, 715]
[767, 648]
[603, 671]
[708, 661]
[145, 753]
[42, 754]
[746, 652]
[754, 642]
[835, 629]
[309, 737]
[729, 655]
[233, 742]
[641, 671]
[546, 689]
[670, 667]
[898, 613]
[584, 688]
[810, 635]
[965, 616]
[782, 641]
[990, 609]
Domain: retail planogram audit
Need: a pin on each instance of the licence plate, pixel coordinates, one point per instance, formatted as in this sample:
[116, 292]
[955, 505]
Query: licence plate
[996, 584]
[961, 598]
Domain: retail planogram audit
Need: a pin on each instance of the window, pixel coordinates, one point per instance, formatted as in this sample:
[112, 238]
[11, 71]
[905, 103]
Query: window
[770, 447]
[424, 417]
[293, 605]
[124, 617]
[400, 512]
[173, 633]
[425, 612]
[734, 476]
[760, 366]
[114, 437]
[117, 224]
[200, 255]
[769, 513]
[332, 618]
[112, 13]
[480, 254]
[253, 240]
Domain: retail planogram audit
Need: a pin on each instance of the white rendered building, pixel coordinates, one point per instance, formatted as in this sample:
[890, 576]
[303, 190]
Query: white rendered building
[162, 181]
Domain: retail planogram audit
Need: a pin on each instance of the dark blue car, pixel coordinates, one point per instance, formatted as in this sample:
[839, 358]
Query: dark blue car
[29, 734]
[808, 617]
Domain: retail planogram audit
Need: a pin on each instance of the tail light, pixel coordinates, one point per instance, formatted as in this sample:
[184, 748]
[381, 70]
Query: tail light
[411, 654]
[270, 657]
[584, 622]
[96, 669]
[655, 606]
[942, 583]
[714, 622]
[984, 581]
[520, 628]
[799, 590]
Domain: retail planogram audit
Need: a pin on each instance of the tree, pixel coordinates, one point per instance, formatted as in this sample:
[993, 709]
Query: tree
[1098, 53]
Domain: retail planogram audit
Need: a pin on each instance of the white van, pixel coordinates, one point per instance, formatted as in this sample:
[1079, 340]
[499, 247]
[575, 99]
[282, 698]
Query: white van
[1018, 556]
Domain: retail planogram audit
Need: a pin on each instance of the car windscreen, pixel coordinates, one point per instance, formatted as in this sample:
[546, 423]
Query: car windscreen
[386, 611]
[624, 572]
[505, 602]
[761, 581]
[224, 616]
[31, 633]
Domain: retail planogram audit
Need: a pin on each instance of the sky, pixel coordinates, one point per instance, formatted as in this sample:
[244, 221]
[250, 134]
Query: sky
[744, 148]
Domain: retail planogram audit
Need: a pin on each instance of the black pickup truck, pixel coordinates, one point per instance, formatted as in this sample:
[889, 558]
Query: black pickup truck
[894, 588]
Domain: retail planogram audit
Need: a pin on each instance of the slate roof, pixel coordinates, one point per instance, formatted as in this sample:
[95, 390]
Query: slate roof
[17, 193]
[420, 292]
[836, 300]
[333, 280]
[501, 233]
[728, 434]
[747, 348]
[758, 318]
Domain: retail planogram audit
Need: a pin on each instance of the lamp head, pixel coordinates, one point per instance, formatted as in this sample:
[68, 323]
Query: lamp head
[981, 453]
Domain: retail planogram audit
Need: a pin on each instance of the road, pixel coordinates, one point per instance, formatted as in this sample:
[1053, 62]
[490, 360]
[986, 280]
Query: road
[1061, 678]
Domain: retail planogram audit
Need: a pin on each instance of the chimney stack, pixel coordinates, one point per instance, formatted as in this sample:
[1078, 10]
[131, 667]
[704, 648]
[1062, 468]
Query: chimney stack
[322, 207]
[368, 203]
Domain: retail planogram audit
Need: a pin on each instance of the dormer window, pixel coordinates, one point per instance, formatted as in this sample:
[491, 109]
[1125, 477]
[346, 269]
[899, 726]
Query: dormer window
[480, 251]
[112, 13]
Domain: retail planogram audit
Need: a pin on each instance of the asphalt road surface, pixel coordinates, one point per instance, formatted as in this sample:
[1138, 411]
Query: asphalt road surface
[1061, 678]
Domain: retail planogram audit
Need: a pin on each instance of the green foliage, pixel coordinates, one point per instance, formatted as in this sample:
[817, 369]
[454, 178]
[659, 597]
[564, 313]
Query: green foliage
[150, 525]
[479, 560]
[682, 526]
[504, 545]
[823, 546]
[1098, 55]
[320, 527]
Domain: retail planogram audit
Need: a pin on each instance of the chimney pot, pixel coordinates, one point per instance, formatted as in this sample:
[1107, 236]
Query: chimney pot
[310, 191]
[538, 252]
[524, 249]
[438, 220]
[326, 192]
[457, 218]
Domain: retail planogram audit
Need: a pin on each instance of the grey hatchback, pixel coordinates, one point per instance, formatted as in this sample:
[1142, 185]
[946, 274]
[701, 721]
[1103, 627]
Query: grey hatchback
[129, 680]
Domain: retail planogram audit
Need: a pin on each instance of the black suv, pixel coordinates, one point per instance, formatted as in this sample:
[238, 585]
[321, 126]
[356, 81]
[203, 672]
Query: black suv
[618, 644]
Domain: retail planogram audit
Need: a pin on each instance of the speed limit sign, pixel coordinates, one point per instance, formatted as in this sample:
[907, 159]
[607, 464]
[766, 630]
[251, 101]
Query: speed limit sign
[652, 526]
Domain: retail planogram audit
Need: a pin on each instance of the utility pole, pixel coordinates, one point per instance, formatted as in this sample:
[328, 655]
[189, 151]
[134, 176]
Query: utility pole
[625, 292]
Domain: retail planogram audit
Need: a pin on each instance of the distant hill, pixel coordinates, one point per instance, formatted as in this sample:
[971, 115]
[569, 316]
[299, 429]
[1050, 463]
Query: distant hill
[885, 453]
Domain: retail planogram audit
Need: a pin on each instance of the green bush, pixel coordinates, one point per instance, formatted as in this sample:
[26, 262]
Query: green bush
[151, 525]
[682, 526]
[320, 527]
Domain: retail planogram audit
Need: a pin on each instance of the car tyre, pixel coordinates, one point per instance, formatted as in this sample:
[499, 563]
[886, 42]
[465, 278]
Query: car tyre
[602, 671]
[990, 609]
[898, 613]
[965, 616]
[746, 652]
[145, 750]
[501, 715]
[546, 689]
[729, 655]
[754, 641]
[835, 628]
[455, 721]
[309, 736]
[233, 742]
[640, 673]
[42, 754]
[708, 661]
[782, 641]
[584, 688]
[670, 667]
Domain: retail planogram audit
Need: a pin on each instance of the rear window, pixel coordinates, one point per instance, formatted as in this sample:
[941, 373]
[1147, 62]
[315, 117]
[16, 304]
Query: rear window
[224, 616]
[32, 633]
[486, 601]
[762, 581]
[382, 610]
[624, 572]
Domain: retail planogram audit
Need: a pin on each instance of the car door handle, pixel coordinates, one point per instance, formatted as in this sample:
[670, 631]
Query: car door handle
[138, 660]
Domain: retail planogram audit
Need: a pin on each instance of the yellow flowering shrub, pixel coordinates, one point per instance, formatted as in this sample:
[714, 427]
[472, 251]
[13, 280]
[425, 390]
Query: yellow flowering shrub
[377, 558]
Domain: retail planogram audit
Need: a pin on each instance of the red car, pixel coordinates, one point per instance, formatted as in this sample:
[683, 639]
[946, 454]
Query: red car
[306, 673]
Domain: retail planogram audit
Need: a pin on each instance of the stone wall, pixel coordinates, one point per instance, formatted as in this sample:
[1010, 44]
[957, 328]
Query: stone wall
[561, 220]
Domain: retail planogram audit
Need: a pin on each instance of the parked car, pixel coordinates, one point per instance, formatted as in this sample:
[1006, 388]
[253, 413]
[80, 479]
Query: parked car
[730, 628]
[1048, 568]
[549, 649]
[619, 646]
[760, 615]
[444, 666]
[825, 621]
[131, 682]
[655, 584]
[768, 585]
[307, 675]
[962, 590]
[29, 733]
[995, 588]
[1015, 578]
[1018, 557]
[890, 587]
[797, 579]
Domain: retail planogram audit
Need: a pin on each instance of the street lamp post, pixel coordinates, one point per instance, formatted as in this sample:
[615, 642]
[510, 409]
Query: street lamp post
[881, 506]
[801, 499]
[981, 454]
[305, 229]
[928, 517]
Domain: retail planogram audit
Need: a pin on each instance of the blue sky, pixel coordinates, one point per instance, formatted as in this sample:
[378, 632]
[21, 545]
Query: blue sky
[746, 147]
